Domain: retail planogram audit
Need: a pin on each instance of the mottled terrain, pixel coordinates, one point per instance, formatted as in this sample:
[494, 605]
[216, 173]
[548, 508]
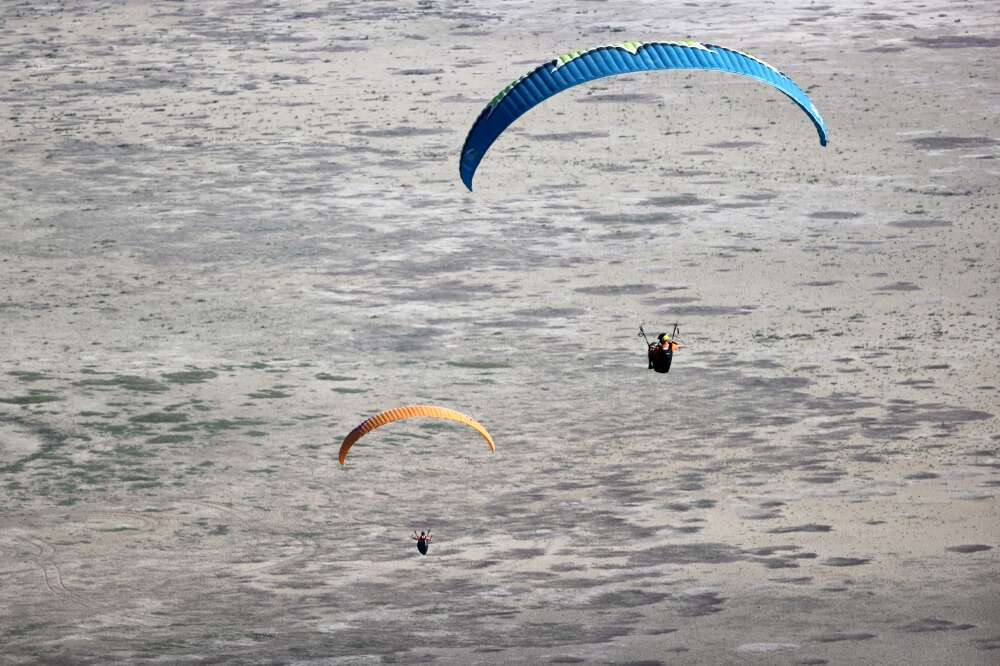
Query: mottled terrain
[234, 230]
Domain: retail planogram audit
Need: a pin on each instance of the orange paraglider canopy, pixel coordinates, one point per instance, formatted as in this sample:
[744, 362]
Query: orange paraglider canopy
[411, 412]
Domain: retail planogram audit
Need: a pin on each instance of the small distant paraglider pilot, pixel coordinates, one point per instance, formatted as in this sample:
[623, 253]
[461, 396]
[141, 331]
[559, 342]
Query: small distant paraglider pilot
[661, 352]
[423, 541]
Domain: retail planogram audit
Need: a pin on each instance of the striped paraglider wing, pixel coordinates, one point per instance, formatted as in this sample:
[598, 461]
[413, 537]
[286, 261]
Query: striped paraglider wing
[411, 412]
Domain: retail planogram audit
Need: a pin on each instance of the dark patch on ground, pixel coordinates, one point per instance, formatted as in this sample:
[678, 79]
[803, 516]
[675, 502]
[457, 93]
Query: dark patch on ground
[568, 136]
[734, 144]
[992, 643]
[698, 553]
[669, 302]
[838, 637]
[479, 365]
[952, 142]
[809, 527]
[418, 72]
[956, 42]
[920, 224]
[269, 394]
[26, 376]
[888, 48]
[623, 98]
[899, 286]
[687, 506]
[612, 290]
[637, 219]
[738, 205]
[627, 599]
[934, 624]
[677, 200]
[835, 215]
[703, 603]
[34, 397]
[846, 561]
[170, 439]
[126, 382]
[969, 548]
[159, 417]
[193, 376]
[831, 477]
[794, 580]
[921, 476]
[711, 310]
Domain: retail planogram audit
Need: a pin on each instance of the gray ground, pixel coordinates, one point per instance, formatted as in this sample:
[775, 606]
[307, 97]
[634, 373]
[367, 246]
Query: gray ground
[231, 231]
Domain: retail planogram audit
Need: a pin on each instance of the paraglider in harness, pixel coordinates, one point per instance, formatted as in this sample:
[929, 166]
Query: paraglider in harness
[423, 541]
[660, 354]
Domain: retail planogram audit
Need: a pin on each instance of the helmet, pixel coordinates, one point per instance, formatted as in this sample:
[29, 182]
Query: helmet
[663, 337]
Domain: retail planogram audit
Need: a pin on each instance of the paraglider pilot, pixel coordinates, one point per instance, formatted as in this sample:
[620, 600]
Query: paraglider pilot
[661, 352]
[423, 541]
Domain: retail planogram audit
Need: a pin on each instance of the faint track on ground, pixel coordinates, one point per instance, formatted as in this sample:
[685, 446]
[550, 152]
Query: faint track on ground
[52, 577]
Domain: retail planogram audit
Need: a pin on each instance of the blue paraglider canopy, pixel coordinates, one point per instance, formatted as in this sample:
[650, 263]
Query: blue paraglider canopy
[579, 67]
